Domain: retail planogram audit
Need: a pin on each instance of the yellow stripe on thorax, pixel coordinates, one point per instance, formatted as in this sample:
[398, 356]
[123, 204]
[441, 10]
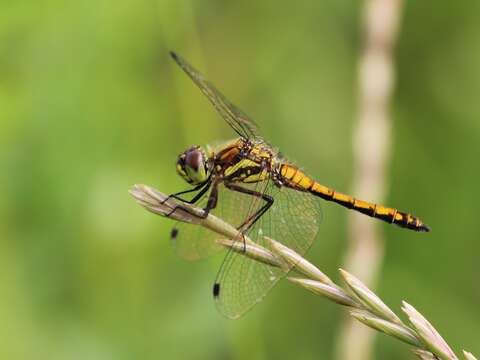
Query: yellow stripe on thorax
[248, 175]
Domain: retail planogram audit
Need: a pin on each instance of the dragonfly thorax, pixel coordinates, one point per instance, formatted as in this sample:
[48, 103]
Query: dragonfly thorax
[193, 165]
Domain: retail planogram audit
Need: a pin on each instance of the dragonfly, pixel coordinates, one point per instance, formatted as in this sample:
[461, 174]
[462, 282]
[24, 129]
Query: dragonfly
[249, 184]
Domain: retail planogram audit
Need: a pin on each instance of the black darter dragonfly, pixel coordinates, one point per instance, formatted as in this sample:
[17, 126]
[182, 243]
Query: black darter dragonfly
[249, 185]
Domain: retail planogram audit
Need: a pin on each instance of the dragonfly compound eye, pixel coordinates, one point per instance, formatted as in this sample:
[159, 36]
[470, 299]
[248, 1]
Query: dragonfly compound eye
[192, 165]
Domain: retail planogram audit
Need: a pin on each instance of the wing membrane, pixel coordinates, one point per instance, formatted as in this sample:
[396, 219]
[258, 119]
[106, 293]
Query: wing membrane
[235, 117]
[293, 220]
[193, 242]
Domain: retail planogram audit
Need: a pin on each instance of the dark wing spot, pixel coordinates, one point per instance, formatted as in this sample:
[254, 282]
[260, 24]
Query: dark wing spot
[174, 233]
[216, 289]
[174, 56]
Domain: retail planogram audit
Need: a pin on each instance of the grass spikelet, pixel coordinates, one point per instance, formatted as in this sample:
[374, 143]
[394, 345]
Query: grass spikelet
[365, 305]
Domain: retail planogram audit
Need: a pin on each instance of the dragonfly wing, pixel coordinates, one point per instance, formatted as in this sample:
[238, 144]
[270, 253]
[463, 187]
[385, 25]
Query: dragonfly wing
[293, 220]
[236, 118]
[193, 242]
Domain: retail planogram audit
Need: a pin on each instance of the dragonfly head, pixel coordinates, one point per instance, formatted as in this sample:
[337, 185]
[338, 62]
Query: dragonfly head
[192, 165]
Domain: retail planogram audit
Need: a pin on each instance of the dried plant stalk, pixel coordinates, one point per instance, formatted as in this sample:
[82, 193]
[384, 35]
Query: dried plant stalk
[363, 304]
[371, 152]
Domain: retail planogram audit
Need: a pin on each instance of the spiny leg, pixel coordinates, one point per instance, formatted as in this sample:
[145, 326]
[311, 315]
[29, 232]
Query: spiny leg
[211, 202]
[248, 223]
[177, 197]
[197, 196]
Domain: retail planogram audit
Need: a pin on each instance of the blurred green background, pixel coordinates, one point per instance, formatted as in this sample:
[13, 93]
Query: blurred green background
[91, 103]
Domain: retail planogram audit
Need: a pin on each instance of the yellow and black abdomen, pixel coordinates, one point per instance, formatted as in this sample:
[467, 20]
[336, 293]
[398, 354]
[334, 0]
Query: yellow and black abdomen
[297, 179]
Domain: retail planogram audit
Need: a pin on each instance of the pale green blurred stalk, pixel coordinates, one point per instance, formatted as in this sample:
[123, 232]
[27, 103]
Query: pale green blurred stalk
[363, 304]
[371, 147]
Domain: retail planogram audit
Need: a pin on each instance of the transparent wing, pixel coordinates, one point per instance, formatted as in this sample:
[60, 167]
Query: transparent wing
[236, 118]
[193, 242]
[293, 220]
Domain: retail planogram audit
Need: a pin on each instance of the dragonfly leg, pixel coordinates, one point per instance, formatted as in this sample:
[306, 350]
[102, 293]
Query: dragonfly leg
[193, 200]
[211, 202]
[248, 223]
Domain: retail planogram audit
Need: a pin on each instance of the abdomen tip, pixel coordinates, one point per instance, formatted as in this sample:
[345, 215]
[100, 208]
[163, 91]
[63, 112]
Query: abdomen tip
[424, 228]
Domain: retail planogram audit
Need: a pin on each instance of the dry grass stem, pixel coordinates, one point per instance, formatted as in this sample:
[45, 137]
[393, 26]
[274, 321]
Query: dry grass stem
[469, 356]
[331, 292]
[371, 152]
[399, 331]
[365, 305]
[427, 333]
[370, 301]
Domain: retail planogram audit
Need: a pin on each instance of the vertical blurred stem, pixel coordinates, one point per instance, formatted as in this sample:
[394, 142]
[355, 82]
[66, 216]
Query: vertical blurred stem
[371, 145]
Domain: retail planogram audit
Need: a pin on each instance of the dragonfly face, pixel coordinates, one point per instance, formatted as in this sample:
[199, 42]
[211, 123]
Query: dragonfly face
[192, 165]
